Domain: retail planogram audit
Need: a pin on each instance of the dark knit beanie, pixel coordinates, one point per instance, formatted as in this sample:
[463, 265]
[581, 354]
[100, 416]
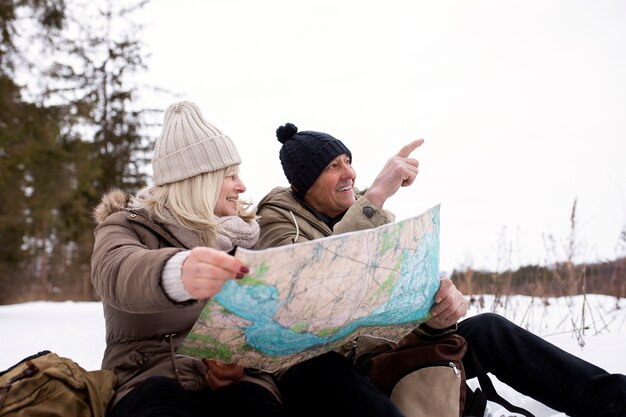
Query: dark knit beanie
[305, 155]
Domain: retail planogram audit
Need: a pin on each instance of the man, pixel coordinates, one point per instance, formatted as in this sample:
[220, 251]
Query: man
[322, 201]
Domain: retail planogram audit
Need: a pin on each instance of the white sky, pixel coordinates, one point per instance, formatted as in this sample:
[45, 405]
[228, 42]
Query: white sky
[76, 330]
[522, 105]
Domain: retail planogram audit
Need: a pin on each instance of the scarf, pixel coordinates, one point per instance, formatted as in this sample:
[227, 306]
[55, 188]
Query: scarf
[231, 231]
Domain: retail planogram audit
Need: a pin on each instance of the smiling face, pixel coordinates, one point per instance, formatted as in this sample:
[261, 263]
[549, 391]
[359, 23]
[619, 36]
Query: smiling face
[333, 191]
[226, 204]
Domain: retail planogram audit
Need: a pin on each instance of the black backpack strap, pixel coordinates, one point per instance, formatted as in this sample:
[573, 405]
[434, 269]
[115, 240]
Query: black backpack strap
[488, 389]
[475, 403]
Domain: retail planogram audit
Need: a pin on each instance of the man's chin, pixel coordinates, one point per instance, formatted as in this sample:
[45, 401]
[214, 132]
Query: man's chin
[348, 200]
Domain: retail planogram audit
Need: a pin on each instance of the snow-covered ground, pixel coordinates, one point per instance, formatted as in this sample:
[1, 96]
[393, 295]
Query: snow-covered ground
[76, 330]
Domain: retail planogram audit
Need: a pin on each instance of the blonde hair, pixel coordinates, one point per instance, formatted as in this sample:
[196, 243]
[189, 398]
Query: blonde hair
[192, 203]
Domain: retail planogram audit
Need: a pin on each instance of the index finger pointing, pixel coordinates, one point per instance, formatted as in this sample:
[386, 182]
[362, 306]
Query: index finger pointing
[407, 149]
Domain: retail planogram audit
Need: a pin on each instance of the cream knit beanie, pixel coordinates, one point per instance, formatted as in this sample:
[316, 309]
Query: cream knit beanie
[189, 145]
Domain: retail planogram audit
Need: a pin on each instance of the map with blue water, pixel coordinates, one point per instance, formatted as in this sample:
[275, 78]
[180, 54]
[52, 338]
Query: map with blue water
[302, 300]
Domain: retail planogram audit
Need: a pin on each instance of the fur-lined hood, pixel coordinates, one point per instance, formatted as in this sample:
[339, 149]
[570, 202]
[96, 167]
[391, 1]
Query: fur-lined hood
[112, 202]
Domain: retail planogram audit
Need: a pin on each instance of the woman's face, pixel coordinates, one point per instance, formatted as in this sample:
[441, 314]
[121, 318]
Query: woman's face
[226, 204]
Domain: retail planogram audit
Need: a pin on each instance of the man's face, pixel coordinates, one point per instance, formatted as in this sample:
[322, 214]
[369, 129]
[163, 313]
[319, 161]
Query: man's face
[333, 191]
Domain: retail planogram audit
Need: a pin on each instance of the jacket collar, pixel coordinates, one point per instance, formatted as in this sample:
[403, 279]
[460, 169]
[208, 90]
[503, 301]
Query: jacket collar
[329, 221]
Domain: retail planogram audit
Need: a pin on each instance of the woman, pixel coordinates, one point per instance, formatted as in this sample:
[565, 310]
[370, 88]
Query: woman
[157, 258]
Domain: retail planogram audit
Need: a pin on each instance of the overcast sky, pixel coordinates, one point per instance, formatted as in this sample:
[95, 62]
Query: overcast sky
[522, 105]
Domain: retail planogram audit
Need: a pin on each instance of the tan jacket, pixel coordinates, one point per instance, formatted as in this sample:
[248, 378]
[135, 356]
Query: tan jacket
[143, 326]
[284, 220]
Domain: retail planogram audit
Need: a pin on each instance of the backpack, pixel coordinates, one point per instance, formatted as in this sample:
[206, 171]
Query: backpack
[425, 377]
[45, 384]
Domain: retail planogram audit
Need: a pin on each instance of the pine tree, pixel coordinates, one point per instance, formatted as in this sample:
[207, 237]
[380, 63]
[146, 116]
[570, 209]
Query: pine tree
[27, 135]
[67, 143]
[105, 122]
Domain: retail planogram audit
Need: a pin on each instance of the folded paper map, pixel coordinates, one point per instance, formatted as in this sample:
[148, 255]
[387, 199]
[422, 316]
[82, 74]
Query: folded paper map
[302, 300]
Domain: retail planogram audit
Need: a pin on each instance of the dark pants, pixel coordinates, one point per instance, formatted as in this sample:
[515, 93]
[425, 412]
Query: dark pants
[540, 370]
[330, 385]
[164, 397]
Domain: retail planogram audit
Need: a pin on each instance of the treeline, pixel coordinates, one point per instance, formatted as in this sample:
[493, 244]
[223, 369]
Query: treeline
[562, 279]
[69, 130]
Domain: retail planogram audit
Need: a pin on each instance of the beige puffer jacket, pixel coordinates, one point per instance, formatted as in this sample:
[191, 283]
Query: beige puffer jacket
[144, 328]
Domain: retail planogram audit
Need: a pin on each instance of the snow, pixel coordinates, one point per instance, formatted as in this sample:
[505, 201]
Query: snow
[76, 330]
